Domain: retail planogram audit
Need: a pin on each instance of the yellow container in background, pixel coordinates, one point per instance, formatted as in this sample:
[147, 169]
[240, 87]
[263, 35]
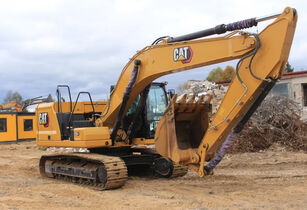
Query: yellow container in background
[17, 126]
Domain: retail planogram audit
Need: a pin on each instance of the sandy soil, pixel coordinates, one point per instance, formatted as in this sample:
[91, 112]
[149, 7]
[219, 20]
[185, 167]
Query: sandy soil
[271, 180]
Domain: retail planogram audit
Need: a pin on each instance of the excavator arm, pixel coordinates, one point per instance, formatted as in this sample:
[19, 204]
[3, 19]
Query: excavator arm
[262, 60]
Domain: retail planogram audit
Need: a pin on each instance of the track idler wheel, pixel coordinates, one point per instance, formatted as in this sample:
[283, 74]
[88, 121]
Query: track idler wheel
[163, 167]
[168, 169]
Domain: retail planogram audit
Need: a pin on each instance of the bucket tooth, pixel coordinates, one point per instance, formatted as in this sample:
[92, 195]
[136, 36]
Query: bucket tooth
[209, 98]
[174, 98]
[191, 100]
[182, 99]
[182, 107]
[201, 99]
[173, 103]
[194, 106]
[186, 104]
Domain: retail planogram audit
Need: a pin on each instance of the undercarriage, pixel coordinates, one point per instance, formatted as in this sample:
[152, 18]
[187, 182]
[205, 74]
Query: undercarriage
[106, 168]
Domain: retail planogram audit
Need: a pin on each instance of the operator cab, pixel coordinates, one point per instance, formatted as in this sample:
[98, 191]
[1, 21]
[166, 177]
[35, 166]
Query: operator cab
[148, 119]
[145, 122]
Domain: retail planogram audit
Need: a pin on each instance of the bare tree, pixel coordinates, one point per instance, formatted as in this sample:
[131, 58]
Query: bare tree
[13, 96]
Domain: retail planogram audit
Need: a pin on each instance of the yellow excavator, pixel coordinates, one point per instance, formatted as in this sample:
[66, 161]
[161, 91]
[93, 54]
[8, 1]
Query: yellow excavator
[120, 133]
[11, 107]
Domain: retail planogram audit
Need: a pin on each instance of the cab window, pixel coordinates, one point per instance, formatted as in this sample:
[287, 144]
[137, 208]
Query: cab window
[156, 104]
[28, 125]
[3, 125]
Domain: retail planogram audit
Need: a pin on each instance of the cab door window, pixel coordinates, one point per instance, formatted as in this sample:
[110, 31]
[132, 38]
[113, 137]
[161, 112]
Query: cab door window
[156, 104]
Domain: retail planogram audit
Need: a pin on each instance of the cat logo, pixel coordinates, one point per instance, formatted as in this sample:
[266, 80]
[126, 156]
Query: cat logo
[44, 119]
[183, 54]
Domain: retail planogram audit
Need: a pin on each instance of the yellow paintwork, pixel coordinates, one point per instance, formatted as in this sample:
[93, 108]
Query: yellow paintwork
[157, 61]
[81, 107]
[10, 134]
[136, 141]
[11, 106]
[16, 131]
[83, 137]
[75, 144]
[51, 133]
[22, 134]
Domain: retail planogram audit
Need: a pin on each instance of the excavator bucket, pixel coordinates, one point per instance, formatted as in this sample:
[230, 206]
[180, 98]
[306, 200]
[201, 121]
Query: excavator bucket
[182, 127]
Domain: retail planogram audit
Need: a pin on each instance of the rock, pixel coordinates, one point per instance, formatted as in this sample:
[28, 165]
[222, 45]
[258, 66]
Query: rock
[206, 88]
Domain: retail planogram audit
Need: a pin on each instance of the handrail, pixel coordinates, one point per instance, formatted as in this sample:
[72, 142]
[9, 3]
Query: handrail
[71, 113]
[60, 98]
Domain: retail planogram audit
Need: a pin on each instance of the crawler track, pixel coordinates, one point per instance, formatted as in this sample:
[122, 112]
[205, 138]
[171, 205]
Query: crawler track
[98, 171]
[178, 170]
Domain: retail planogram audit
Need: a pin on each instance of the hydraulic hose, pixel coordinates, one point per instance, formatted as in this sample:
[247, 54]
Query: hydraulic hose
[221, 152]
[126, 97]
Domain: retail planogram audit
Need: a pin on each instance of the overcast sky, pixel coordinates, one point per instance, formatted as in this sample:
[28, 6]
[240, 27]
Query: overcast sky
[85, 44]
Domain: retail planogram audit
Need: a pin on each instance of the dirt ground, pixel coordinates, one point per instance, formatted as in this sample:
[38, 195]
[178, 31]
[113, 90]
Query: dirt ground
[271, 180]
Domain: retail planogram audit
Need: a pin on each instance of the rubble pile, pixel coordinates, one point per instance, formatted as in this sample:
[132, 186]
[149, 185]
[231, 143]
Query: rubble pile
[208, 89]
[276, 121]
